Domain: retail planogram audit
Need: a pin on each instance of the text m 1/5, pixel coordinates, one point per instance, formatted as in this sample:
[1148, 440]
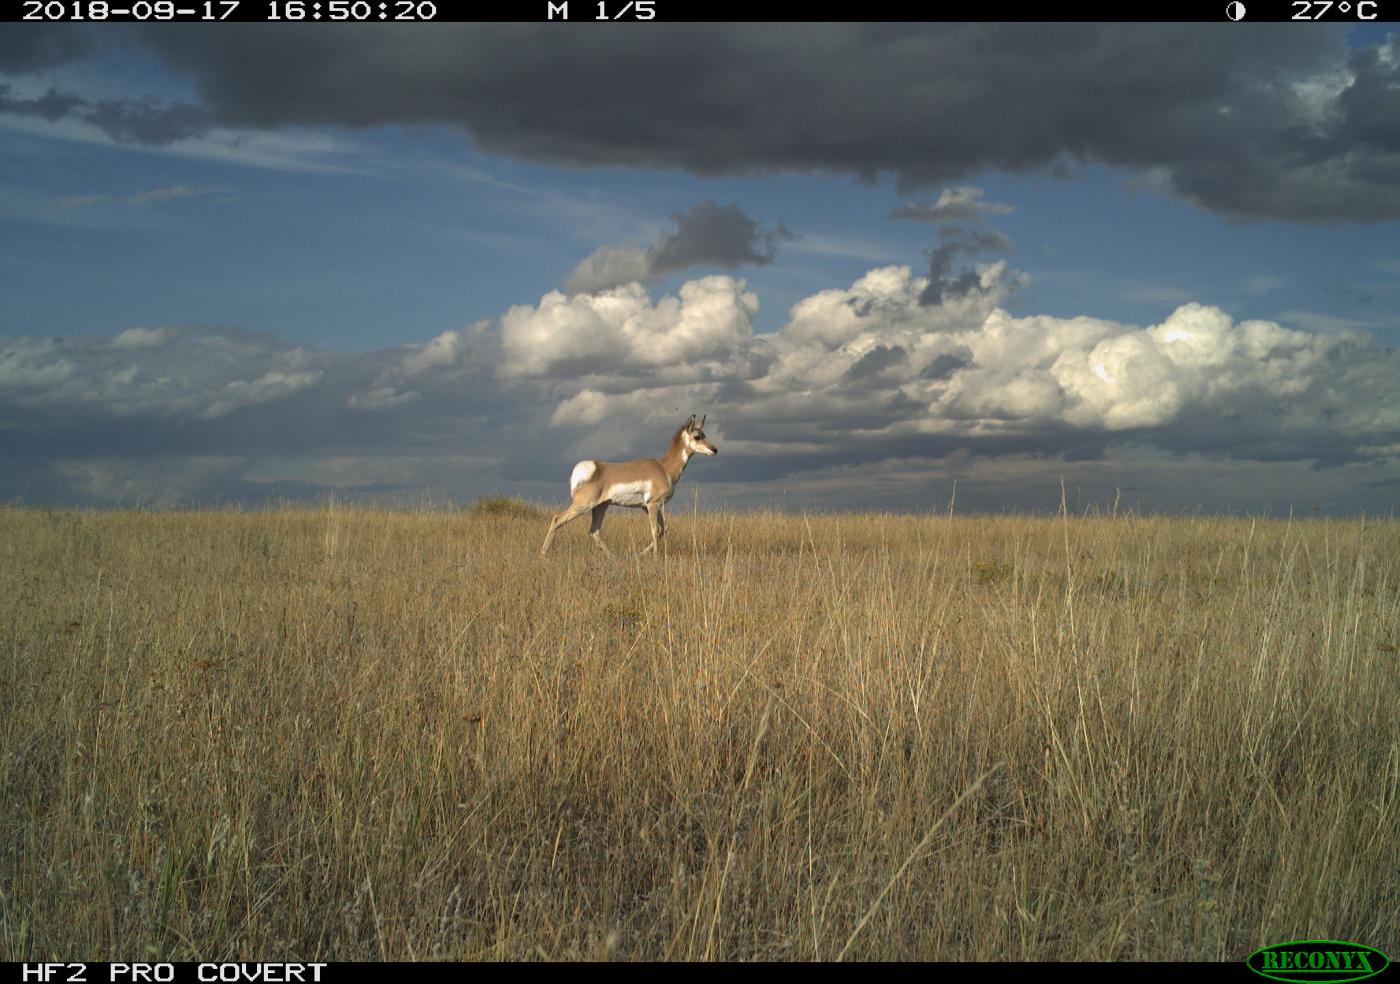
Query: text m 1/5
[642, 10]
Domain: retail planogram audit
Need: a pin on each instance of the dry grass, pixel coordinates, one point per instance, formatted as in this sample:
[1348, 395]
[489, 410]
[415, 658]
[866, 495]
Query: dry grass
[345, 733]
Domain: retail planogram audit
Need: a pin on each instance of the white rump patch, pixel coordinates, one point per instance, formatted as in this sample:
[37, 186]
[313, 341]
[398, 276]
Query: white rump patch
[630, 493]
[583, 471]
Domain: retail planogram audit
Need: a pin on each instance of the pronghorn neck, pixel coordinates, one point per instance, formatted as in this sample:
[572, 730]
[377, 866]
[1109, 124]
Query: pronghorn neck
[675, 459]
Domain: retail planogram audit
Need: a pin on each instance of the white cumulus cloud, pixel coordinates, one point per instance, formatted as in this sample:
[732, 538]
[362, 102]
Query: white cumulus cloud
[622, 331]
[857, 376]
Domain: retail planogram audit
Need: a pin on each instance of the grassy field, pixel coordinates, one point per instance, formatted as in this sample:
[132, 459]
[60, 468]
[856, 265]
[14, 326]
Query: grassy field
[359, 734]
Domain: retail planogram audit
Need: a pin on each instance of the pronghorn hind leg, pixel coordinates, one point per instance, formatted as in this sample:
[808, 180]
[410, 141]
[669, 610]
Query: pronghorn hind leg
[574, 511]
[596, 529]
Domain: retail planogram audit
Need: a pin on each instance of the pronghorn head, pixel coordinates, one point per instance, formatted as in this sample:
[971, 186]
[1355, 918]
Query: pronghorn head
[693, 436]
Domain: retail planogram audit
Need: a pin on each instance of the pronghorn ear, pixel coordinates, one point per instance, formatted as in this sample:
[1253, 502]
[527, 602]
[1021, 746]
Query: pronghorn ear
[690, 422]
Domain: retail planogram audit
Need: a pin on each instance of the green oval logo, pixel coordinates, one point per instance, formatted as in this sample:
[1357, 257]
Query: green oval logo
[1310, 961]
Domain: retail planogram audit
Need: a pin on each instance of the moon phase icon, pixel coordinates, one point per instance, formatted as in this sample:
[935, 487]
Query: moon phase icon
[1235, 11]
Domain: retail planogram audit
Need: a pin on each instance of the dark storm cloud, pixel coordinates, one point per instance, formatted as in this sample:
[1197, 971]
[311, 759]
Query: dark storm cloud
[1258, 121]
[124, 120]
[706, 235]
[943, 280]
[132, 121]
[37, 46]
[711, 233]
[52, 105]
[1372, 102]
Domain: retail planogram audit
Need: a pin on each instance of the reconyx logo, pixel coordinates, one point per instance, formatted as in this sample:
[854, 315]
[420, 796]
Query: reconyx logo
[1309, 961]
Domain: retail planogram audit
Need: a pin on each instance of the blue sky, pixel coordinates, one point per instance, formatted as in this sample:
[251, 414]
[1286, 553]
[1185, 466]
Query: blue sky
[414, 233]
[270, 262]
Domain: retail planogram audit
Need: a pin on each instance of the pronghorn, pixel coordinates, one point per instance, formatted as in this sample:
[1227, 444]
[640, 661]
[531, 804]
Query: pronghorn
[647, 483]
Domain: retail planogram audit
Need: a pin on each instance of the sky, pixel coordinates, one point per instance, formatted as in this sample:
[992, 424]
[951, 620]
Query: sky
[251, 263]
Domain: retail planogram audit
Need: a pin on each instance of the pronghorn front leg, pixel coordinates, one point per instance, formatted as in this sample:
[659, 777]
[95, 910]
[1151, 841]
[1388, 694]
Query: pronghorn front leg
[653, 514]
[596, 530]
[573, 512]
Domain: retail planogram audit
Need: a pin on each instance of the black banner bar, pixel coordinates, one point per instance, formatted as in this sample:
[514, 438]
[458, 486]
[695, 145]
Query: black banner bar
[343, 972]
[600, 12]
[158, 972]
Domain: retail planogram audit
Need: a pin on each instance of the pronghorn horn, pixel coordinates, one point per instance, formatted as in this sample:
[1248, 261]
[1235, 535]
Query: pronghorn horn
[702, 420]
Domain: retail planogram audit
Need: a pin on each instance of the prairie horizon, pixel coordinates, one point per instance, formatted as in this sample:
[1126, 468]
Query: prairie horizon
[692, 499]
